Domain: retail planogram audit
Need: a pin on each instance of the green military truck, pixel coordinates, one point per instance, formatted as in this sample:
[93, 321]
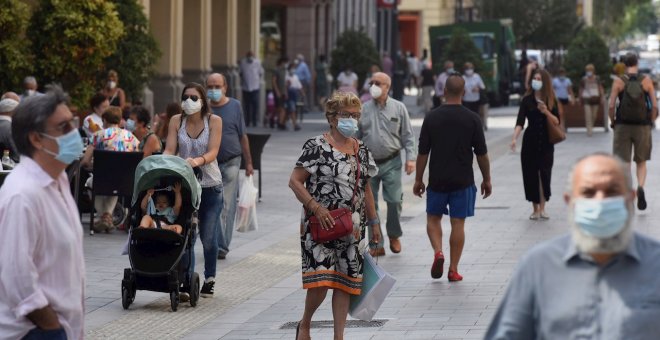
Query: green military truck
[496, 41]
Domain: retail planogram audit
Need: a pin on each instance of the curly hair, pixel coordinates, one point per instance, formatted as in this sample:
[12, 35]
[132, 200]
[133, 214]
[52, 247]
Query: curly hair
[340, 100]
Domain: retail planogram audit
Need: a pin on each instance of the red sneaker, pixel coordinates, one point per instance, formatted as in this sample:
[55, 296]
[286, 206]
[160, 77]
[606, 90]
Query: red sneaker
[454, 276]
[436, 268]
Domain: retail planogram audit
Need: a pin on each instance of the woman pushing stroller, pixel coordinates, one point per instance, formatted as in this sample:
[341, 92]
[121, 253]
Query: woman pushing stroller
[160, 214]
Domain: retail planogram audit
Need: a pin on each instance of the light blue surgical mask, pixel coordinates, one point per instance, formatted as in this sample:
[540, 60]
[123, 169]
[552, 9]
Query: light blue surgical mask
[130, 125]
[601, 218]
[70, 147]
[348, 127]
[214, 95]
[450, 70]
[537, 84]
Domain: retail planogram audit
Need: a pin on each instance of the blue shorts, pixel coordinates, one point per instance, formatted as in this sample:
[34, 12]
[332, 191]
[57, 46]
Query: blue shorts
[456, 204]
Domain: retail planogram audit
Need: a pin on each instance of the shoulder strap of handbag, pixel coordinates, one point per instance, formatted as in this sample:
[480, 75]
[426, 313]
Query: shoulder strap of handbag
[357, 173]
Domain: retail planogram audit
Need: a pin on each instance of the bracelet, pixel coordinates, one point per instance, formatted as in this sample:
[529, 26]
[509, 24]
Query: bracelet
[202, 157]
[318, 205]
[373, 221]
[309, 200]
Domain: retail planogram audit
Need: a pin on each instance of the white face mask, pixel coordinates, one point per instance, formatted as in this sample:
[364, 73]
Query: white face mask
[191, 107]
[375, 91]
[112, 84]
[469, 72]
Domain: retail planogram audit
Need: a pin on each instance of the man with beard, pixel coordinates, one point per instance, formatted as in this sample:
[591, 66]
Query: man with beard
[601, 281]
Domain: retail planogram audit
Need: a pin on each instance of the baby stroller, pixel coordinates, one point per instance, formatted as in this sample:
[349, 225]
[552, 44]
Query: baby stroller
[158, 256]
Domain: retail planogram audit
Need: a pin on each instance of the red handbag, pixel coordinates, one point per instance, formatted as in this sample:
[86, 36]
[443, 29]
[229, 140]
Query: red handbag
[342, 216]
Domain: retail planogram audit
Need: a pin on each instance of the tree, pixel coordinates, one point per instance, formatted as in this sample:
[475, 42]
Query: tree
[547, 24]
[357, 50]
[608, 16]
[137, 51]
[461, 49]
[15, 58]
[588, 47]
[71, 39]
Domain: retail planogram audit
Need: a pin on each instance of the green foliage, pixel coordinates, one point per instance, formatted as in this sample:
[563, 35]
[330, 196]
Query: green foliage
[588, 47]
[546, 24]
[71, 40]
[610, 16]
[137, 51]
[357, 50]
[461, 49]
[15, 61]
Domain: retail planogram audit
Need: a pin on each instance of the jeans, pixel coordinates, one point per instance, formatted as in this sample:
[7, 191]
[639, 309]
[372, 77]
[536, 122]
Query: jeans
[389, 173]
[251, 107]
[210, 209]
[41, 334]
[229, 172]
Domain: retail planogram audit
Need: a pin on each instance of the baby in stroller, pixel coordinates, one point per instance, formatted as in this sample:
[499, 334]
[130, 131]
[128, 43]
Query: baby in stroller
[164, 215]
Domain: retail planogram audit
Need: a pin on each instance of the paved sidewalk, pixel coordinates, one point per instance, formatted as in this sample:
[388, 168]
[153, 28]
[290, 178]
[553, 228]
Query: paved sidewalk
[259, 285]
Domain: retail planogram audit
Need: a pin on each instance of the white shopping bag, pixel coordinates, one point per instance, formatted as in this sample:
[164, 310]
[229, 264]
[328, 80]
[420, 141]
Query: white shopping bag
[246, 211]
[376, 284]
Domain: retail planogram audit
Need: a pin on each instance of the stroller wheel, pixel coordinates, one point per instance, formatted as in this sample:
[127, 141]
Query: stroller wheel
[126, 298]
[194, 289]
[174, 300]
[119, 214]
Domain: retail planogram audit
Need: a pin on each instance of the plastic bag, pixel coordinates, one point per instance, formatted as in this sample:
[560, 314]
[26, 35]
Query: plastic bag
[246, 211]
[376, 285]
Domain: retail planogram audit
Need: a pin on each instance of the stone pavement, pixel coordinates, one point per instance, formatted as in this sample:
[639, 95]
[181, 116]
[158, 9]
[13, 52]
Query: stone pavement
[259, 294]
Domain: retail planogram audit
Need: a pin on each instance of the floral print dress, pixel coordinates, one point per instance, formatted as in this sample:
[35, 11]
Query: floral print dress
[338, 263]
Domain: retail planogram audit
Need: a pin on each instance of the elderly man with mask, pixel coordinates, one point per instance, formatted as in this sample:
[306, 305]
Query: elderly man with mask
[8, 102]
[600, 281]
[31, 87]
[42, 267]
[386, 130]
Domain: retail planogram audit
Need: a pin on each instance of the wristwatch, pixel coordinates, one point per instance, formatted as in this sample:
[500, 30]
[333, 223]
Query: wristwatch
[373, 221]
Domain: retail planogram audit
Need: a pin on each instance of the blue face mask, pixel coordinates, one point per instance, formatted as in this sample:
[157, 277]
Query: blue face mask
[537, 85]
[214, 95]
[348, 127]
[70, 147]
[130, 125]
[601, 218]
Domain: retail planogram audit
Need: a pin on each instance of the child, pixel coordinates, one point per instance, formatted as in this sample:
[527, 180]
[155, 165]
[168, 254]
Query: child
[165, 215]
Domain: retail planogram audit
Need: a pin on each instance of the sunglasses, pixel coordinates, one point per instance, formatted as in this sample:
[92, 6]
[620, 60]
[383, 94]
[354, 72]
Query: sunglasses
[193, 97]
[377, 83]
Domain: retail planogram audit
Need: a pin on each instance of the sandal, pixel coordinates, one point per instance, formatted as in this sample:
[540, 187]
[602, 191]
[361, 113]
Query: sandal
[107, 221]
[534, 216]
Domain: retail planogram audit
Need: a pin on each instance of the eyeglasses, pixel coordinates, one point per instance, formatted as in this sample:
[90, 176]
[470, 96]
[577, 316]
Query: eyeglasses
[193, 97]
[354, 115]
[377, 83]
[63, 127]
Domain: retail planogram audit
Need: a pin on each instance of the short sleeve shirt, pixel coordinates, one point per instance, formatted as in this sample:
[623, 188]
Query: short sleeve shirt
[233, 128]
[561, 87]
[451, 134]
[347, 79]
[115, 139]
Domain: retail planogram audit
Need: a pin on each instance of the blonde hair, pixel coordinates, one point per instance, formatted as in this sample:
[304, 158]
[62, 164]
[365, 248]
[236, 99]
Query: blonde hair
[590, 67]
[340, 100]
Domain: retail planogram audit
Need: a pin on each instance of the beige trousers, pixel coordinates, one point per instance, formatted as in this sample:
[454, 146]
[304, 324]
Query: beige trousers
[590, 113]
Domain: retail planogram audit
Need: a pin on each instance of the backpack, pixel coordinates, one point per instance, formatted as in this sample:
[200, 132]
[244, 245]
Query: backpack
[632, 102]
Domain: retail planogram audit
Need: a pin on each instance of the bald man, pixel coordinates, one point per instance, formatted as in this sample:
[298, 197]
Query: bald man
[8, 103]
[451, 134]
[600, 281]
[233, 147]
[386, 130]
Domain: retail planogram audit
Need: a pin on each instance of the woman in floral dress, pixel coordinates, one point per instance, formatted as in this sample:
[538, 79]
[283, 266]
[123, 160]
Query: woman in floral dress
[324, 179]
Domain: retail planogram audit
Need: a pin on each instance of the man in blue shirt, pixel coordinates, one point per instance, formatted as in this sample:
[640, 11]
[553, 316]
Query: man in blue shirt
[305, 77]
[234, 144]
[600, 281]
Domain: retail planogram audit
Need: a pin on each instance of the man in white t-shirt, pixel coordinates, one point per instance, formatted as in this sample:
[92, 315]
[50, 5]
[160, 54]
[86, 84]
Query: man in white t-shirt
[473, 84]
[294, 91]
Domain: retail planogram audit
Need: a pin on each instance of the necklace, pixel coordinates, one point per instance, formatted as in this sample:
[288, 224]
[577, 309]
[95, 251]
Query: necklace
[334, 141]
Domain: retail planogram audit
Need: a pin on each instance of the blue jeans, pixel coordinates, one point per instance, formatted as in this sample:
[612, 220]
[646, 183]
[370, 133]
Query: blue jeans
[250, 108]
[210, 209]
[41, 334]
[229, 172]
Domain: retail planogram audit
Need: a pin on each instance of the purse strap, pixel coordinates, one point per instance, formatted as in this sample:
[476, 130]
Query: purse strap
[357, 173]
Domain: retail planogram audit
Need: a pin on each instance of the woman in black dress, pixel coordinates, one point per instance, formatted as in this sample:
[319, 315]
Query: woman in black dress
[537, 155]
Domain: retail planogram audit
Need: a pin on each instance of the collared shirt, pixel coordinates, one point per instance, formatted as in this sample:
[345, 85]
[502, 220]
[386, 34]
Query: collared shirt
[302, 71]
[470, 83]
[251, 73]
[440, 84]
[233, 129]
[386, 130]
[559, 293]
[41, 257]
